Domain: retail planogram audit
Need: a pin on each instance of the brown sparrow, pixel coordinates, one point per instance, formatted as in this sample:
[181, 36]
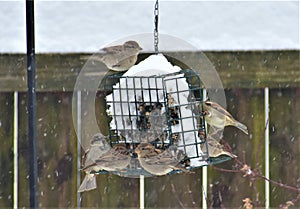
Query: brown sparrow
[159, 162]
[217, 116]
[120, 57]
[107, 158]
[98, 147]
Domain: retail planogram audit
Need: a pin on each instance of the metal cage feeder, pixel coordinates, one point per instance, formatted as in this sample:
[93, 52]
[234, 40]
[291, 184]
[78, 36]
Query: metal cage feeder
[163, 110]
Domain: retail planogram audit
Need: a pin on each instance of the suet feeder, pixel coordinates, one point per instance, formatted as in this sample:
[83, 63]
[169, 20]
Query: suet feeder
[157, 106]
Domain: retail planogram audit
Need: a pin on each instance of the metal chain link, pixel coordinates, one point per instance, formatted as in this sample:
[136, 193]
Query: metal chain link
[156, 12]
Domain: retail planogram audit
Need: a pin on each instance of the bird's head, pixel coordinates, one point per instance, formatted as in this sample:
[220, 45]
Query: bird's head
[132, 45]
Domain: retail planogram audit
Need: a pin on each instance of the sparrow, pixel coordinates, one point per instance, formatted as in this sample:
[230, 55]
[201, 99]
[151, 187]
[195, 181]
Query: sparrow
[217, 116]
[159, 162]
[107, 158]
[119, 57]
[214, 148]
[98, 147]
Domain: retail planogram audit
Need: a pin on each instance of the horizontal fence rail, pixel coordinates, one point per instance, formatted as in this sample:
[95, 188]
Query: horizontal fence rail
[254, 69]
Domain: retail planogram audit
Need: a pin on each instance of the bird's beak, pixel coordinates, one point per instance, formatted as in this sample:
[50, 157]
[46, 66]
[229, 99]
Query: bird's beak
[140, 48]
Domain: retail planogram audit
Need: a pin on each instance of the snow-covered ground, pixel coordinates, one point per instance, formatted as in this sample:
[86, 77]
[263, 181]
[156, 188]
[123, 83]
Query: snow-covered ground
[86, 26]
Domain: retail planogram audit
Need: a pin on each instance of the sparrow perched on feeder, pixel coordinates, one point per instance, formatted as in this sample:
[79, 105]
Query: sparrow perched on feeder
[217, 116]
[101, 156]
[214, 148]
[120, 57]
[159, 162]
[98, 147]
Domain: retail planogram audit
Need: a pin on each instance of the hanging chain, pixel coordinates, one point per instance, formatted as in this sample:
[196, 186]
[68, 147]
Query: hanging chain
[156, 27]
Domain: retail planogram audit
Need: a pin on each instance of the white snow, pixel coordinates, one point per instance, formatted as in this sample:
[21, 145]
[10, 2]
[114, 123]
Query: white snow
[86, 26]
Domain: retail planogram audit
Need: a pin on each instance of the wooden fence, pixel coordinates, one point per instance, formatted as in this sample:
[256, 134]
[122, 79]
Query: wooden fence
[246, 76]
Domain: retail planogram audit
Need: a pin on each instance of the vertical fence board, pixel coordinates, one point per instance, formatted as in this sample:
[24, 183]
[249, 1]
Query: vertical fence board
[57, 151]
[23, 192]
[113, 192]
[285, 143]
[174, 191]
[6, 150]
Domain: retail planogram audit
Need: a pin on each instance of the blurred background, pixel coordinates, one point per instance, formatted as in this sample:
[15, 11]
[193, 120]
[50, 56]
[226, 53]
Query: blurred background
[254, 47]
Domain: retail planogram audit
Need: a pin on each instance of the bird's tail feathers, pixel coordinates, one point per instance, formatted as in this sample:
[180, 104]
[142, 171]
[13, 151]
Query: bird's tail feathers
[242, 127]
[88, 183]
[230, 154]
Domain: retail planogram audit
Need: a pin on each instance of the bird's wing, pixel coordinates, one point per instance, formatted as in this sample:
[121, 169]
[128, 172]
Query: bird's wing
[214, 144]
[111, 157]
[113, 49]
[215, 133]
[107, 158]
[165, 157]
[216, 149]
[114, 159]
[124, 60]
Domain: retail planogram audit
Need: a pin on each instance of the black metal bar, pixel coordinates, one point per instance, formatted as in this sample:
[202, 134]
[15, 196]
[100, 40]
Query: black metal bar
[31, 93]
[156, 13]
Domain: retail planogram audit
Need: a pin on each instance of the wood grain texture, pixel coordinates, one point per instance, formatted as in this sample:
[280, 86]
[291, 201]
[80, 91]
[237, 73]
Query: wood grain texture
[242, 69]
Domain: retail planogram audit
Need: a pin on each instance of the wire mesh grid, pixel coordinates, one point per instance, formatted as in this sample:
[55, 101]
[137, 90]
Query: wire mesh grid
[163, 110]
